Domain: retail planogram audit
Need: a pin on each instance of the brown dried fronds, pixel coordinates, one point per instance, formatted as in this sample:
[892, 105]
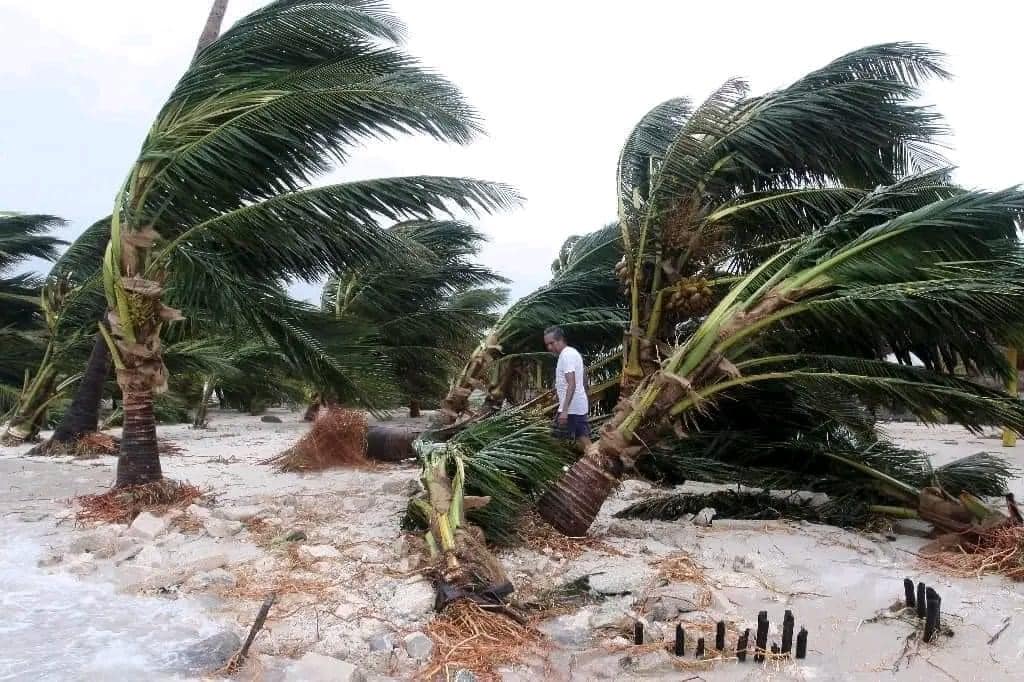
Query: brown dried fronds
[337, 438]
[680, 568]
[251, 585]
[121, 505]
[169, 447]
[94, 444]
[998, 550]
[467, 635]
[188, 524]
[537, 534]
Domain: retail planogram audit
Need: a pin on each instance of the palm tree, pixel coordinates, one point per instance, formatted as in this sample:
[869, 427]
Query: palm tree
[583, 296]
[22, 319]
[225, 164]
[426, 310]
[901, 264]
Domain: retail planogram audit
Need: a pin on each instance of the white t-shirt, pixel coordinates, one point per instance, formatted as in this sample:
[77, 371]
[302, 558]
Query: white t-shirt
[569, 360]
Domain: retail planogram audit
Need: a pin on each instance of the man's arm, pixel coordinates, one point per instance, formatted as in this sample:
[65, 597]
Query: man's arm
[570, 389]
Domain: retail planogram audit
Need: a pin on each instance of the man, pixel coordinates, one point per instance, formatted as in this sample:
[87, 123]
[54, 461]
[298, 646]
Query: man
[573, 407]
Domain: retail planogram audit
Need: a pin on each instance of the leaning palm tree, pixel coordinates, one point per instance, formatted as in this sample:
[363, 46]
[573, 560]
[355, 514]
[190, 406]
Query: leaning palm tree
[426, 311]
[583, 295]
[949, 268]
[258, 113]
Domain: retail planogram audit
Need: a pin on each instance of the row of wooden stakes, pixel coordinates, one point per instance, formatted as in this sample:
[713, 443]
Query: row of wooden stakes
[743, 641]
[927, 604]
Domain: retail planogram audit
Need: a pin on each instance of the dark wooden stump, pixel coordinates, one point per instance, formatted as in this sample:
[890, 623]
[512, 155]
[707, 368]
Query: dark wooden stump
[680, 640]
[788, 623]
[741, 645]
[761, 640]
[801, 643]
[908, 589]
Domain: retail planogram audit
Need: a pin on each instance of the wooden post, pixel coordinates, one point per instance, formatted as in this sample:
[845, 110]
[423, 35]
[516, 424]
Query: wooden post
[921, 604]
[801, 643]
[680, 640]
[761, 641]
[720, 636]
[700, 648]
[908, 589]
[931, 623]
[788, 622]
[1009, 435]
[638, 632]
[741, 645]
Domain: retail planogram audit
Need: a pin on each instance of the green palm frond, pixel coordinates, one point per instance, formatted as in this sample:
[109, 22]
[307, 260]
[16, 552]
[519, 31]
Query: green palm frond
[24, 236]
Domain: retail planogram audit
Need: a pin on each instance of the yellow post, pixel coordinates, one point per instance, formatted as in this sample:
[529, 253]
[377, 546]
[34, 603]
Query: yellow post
[1009, 435]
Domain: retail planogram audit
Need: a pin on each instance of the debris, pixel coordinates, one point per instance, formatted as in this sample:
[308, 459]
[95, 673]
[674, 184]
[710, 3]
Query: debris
[761, 639]
[801, 643]
[931, 623]
[261, 617]
[122, 505]
[337, 438]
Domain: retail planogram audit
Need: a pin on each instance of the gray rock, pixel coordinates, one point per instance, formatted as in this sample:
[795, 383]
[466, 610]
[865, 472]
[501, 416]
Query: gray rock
[382, 642]
[147, 526]
[633, 489]
[365, 552]
[101, 541]
[319, 668]
[400, 486]
[704, 516]
[913, 527]
[218, 578]
[570, 630]
[610, 615]
[207, 655]
[651, 662]
[270, 419]
[221, 528]
[413, 599]
[149, 556]
[198, 511]
[418, 645]
[620, 579]
[82, 564]
[318, 552]
[463, 675]
[627, 529]
[240, 513]
[668, 602]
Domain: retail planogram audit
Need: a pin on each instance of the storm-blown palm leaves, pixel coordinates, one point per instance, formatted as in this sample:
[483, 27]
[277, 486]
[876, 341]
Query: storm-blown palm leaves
[583, 296]
[426, 311]
[711, 190]
[221, 173]
[948, 267]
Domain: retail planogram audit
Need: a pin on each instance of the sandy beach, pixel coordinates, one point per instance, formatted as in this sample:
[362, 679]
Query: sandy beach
[350, 588]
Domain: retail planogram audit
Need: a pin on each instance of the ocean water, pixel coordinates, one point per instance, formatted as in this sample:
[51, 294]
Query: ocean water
[60, 627]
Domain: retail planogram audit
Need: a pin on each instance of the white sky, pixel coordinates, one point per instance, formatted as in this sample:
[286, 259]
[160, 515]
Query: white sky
[559, 84]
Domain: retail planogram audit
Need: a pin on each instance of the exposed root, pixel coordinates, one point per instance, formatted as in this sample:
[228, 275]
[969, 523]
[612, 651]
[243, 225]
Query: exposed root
[467, 635]
[89, 446]
[121, 505]
[998, 550]
[537, 534]
[337, 438]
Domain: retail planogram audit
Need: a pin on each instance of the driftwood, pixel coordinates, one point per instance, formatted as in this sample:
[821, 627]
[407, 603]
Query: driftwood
[238, 659]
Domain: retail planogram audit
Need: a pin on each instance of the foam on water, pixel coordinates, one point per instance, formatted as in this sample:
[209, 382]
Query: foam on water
[57, 627]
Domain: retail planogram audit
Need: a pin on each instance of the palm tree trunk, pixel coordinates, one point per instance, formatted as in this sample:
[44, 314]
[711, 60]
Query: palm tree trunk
[471, 378]
[83, 415]
[139, 461]
[28, 417]
[201, 410]
[212, 28]
[414, 409]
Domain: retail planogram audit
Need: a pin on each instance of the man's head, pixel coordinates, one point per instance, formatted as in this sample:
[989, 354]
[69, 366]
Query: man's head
[554, 339]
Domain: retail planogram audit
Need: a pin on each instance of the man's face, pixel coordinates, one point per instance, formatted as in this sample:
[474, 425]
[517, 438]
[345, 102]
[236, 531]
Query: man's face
[552, 344]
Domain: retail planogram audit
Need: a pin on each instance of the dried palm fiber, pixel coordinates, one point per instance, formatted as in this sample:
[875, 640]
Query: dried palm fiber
[732, 504]
[121, 505]
[337, 438]
[992, 543]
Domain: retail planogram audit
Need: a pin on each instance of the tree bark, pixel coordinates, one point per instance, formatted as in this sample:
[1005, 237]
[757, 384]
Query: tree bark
[201, 410]
[30, 414]
[139, 461]
[83, 415]
[212, 28]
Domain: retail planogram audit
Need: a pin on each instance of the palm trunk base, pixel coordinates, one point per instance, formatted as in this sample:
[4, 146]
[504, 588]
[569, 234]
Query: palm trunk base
[139, 461]
[14, 435]
[572, 504]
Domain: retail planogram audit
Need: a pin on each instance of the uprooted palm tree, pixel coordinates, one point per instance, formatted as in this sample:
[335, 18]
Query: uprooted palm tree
[426, 310]
[583, 296]
[22, 317]
[809, 320]
[224, 164]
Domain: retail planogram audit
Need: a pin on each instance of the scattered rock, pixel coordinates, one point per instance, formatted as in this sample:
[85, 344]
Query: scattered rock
[318, 552]
[193, 558]
[463, 675]
[418, 645]
[570, 630]
[207, 655]
[218, 578]
[668, 602]
[400, 486]
[628, 529]
[270, 419]
[381, 642]
[147, 526]
[348, 610]
[621, 578]
[413, 599]
[149, 556]
[610, 615]
[704, 516]
[649, 663]
[101, 541]
[913, 527]
[319, 668]
[221, 528]
[82, 564]
[128, 551]
[294, 535]
[241, 513]
[365, 552]
[198, 511]
[633, 489]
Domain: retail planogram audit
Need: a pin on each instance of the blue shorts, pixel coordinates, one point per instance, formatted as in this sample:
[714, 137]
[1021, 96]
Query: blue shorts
[577, 427]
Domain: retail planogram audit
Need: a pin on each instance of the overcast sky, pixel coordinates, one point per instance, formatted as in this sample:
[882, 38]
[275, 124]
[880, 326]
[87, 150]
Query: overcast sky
[559, 85]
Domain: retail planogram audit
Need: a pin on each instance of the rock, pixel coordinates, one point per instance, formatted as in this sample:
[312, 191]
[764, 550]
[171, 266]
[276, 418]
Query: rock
[463, 675]
[270, 419]
[418, 645]
[218, 578]
[101, 541]
[221, 528]
[82, 564]
[400, 486]
[648, 663]
[294, 535]
[241, 513]
[913, 527]
[198, 558]
[127, 551]
[365, 552]
[627, 529]
[348, 610]
[198, 511]
[633, 489]
[620, 579]
[413, 599]
[668, 602]
[207, 655]
[318, 552]
[704, 516]
[147, 526]
[610, 615]
[381, 642]
[149, 556]
[319, 668]
[570, 630]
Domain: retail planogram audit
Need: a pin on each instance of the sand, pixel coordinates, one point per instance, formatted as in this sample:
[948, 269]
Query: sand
[352, 588]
